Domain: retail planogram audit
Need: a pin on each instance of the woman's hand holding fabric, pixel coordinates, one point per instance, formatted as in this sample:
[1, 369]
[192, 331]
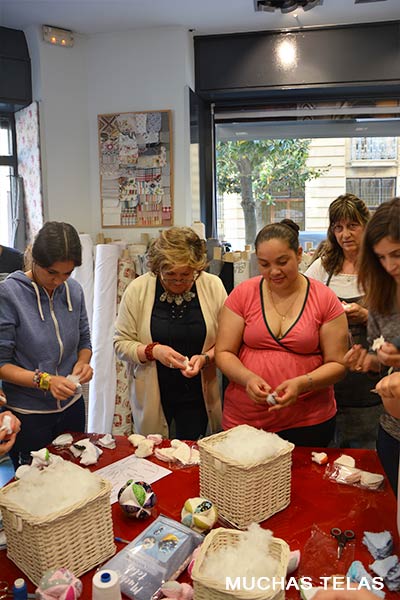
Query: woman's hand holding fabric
[257, 389]
[389, 355]
[169, 357]
[83, 370]
[356, 313]
[7, 439]
[193, 368]
[287, 393]
[61, 387]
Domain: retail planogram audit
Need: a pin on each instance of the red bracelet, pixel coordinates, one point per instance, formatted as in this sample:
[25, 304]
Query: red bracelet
[148, 351]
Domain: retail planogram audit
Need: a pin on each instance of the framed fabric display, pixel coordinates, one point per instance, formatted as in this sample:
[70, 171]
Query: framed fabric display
[136, 175]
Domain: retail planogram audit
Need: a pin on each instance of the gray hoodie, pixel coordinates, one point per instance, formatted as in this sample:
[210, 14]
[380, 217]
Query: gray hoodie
[40, 332]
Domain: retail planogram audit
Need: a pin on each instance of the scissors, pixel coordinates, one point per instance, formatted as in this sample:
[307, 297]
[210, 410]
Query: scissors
[342, 538]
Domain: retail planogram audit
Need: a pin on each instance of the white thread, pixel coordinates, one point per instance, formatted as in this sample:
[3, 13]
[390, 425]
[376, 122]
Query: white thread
[106, 585]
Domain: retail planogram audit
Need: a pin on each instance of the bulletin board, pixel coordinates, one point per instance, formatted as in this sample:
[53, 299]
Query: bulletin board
[136, 174]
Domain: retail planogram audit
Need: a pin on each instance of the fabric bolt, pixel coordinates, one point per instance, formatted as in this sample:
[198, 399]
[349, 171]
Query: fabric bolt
[122, 422]
[102, 391]
[296, 353]
[85, 274]
[29, 166]
[133, 329]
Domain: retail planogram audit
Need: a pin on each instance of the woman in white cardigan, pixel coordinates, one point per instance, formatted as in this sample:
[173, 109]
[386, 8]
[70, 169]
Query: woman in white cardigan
[165, 330]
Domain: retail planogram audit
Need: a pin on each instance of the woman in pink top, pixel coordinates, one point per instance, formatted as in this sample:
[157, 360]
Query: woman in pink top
[286, 335]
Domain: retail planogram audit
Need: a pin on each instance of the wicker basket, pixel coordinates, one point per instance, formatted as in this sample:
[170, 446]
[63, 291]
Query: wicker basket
[244, 494]
[208, 589]
[78, 538]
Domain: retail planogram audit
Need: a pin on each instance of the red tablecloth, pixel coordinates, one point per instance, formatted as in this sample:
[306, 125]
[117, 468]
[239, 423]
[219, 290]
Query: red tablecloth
[315, 501]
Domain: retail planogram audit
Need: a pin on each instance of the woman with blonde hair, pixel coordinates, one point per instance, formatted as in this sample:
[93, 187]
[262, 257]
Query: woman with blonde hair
[165, 330]
[336, 266]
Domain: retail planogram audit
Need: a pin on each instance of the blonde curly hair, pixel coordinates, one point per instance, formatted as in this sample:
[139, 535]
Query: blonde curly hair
[177, 247]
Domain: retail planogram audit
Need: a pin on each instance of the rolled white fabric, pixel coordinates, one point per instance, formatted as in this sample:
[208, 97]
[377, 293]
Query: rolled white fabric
[200, 229]
[103, 386]
[85, 274]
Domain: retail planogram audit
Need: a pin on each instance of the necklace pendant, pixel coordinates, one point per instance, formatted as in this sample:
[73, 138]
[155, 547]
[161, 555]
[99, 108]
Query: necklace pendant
[283, 317]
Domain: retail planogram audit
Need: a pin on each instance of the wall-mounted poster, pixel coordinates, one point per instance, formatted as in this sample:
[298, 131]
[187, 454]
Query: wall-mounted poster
[136, 175]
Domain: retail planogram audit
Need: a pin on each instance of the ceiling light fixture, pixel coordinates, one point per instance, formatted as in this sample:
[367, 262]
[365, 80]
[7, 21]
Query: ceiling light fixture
[57, 36]
[285, 6]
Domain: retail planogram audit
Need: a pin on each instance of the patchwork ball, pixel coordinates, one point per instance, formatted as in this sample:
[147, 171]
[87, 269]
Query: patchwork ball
[136, 499]
[199, 514]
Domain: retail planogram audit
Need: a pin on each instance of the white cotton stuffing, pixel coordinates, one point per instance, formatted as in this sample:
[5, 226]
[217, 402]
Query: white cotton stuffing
[249, 557]
[249, 445]
[54, 489]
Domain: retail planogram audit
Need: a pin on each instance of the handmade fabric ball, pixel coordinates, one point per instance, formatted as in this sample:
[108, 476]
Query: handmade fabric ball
[136, 499]
[59, 583]
[199, 514]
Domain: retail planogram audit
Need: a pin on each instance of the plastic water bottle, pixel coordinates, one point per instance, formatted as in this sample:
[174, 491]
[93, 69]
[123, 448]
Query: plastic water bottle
[19, 590]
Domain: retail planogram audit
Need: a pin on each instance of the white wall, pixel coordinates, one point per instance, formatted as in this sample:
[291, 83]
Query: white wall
[106, 73]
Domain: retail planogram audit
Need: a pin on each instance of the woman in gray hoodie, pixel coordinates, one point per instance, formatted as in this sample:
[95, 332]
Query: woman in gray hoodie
[44, 338]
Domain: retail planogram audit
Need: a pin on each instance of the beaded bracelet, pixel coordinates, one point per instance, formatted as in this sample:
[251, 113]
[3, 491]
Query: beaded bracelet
[36, 377]
[148, 351]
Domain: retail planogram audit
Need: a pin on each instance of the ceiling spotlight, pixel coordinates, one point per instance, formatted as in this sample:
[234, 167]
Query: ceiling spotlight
[285, 6]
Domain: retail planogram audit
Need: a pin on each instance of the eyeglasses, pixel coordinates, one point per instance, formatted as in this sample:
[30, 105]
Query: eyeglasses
[180, 279]
[350, 226]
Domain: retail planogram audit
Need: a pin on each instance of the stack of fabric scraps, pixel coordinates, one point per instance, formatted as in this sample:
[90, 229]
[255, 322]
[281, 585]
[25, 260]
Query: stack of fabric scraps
[144, 445]
[358, 574]
[380, 545]
[387, 566]
[344, 470]
[389, 569]
[86, 451]
[179, 452]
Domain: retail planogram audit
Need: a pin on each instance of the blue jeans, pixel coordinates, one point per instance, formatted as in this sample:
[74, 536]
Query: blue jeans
[388, 451]
[39, 430]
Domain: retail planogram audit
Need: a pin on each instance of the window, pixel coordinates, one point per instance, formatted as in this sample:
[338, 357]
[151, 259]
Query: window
[373, 190]
[8, 167]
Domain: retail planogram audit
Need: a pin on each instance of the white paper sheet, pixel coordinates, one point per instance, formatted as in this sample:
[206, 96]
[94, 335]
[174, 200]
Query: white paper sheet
[131, 467]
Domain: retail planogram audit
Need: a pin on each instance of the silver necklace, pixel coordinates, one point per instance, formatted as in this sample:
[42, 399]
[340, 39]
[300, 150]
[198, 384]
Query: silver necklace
[177, 299]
